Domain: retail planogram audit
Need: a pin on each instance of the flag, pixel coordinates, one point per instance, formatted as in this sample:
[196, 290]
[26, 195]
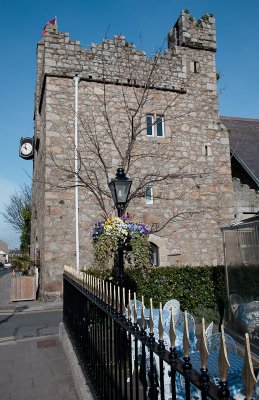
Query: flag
[52, 22]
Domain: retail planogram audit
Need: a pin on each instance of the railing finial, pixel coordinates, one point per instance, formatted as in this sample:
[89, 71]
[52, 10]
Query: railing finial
[248, 375]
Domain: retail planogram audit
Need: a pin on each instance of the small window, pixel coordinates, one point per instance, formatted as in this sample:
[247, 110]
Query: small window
[154, 254]
[194, 67]
[149, 195]
[159, 126]
[149, 120]
[155, 125]
[206, 150]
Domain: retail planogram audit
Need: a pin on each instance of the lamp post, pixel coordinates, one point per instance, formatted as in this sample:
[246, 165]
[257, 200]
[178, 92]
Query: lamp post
[120, 188]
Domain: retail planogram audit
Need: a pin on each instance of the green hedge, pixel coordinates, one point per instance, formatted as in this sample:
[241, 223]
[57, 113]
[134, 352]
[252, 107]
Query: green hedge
[197, 288]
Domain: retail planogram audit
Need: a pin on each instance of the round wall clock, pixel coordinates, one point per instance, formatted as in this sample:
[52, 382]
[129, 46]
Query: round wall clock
[26, 148]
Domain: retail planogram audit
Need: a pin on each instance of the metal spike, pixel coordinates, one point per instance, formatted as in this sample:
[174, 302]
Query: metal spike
[118, 299]
[103, 291]
[135, 316]
[172, 333]
[203, 347]
[114, 297]
[106, 299]
[129, 306]
[160, 324]
[110, 295]
[186, 342]
[223, 358]
[151, 318]
[248, 375]
[143, 322]
[100, 288]
[123, 302]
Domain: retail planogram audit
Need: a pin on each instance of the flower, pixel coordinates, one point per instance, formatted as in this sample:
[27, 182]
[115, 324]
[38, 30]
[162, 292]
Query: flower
[108, 235]
[120, 228]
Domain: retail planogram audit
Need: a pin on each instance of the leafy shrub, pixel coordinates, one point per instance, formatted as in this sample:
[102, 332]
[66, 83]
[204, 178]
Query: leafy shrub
[21, 263]
[196, 288]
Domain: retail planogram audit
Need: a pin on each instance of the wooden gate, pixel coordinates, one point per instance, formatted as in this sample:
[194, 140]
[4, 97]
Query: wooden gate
[23, 288]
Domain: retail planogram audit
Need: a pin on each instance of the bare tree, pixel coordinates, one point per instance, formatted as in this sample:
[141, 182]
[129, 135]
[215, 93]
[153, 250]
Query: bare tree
[113, 129]
[19, 202]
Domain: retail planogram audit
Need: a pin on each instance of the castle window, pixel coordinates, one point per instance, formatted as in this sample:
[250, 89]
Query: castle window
[155, 125]
[154, 254]
[195, 67]
[206, 150]
[149, 195]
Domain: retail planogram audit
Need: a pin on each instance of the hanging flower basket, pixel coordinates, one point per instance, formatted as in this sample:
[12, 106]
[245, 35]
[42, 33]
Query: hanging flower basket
[126, 232]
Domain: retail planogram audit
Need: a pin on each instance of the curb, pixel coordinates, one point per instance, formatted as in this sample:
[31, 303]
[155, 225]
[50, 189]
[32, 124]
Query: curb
[82, 389]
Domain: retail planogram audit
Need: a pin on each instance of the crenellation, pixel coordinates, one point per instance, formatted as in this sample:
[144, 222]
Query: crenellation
[188, 32]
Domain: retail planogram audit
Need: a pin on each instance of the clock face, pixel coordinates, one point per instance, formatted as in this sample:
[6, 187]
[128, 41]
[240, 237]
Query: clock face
[26, 148]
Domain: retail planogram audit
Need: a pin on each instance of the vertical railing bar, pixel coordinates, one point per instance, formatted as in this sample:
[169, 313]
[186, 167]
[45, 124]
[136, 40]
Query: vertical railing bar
[136, 369]
[144, 372]
[95, 366]
[187, 389]
[124, 354]
[104, 352]
[115, 343]
[111, 358]
[161, 375]
[101, 322]
[173, 386]
[107, 380]
[107, 369]
[130, 364]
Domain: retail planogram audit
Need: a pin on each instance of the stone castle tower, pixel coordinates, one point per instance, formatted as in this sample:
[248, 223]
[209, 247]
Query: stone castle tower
[158, 117]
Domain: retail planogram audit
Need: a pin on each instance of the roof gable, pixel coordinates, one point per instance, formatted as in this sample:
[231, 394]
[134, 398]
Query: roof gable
[244, 143]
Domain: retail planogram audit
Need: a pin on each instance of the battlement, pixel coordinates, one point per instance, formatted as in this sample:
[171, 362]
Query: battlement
[124, 64]
[189, 32]
[117, 61]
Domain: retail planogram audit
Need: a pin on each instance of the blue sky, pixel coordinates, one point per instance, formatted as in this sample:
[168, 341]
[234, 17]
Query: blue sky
[144, 22]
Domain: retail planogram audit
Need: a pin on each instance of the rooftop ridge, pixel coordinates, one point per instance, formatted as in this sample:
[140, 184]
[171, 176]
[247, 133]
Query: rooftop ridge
[239, 118]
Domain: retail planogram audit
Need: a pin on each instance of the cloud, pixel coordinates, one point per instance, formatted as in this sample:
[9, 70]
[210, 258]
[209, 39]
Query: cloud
[7, 233]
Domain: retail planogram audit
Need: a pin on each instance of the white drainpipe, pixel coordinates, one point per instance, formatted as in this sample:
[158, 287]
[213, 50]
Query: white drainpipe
[76, 81]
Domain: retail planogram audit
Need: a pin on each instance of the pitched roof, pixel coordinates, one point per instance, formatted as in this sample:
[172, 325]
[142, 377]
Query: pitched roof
[3, 246]
[244, 143]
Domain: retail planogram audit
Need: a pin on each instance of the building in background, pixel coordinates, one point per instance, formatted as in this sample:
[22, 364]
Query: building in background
[4, 251]
[244, 148]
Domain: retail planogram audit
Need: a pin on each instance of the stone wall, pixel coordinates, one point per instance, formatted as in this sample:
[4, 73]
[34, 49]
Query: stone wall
[118, 87]
[246, 201]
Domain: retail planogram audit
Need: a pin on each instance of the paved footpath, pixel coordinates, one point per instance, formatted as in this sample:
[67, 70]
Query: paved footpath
[35, 368]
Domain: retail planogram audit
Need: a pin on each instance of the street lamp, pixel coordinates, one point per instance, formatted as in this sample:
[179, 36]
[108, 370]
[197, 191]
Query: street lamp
[120, 188]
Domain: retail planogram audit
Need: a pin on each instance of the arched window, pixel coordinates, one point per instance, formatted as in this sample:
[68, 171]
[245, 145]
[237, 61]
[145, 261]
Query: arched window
[154, 253]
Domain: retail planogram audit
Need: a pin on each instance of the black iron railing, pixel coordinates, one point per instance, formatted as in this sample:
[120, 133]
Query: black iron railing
[120, 360]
